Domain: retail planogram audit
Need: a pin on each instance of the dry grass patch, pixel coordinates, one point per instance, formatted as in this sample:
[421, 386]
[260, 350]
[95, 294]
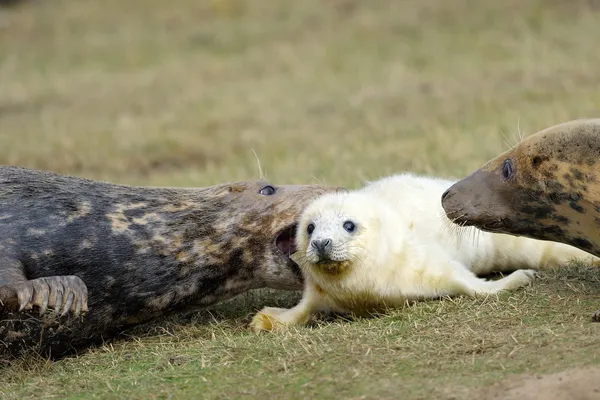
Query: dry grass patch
[340, 92]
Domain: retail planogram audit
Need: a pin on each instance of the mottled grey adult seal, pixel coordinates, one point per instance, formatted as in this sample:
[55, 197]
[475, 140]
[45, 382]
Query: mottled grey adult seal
[546, 187]
[127, 254]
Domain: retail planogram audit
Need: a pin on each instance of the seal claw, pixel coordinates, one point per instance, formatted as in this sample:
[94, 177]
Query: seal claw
[45, 297]
[78, 306]
[64, 294]
[59, 299]
[68, 304]
[24, 295]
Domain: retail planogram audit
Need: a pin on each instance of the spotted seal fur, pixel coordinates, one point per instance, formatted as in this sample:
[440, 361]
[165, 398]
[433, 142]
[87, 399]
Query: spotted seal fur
[106, 256]
[546, 187]
[390, 242]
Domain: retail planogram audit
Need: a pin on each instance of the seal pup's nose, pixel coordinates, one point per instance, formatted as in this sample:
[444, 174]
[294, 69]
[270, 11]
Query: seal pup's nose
[322, 246]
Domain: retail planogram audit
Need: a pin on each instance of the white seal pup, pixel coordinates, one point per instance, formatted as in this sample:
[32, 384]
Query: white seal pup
[390, 242]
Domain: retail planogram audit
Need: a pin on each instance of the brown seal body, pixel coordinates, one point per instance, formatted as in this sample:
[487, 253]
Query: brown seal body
[107, 256]
[547, 187]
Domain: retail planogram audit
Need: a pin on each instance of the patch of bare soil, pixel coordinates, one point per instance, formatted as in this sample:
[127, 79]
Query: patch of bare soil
[573, 384]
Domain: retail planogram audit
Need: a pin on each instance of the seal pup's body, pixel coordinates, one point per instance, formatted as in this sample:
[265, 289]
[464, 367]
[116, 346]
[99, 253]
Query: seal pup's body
[130, 254]
[390, 242]
[546, 187]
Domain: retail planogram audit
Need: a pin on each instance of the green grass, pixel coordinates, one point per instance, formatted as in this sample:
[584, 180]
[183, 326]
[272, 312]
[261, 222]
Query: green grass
[342, 91]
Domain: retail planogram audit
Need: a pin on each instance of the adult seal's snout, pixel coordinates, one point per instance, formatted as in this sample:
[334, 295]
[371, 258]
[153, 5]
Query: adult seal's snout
[457, 211]
[448, 205]
[477, 200]
[445, 194]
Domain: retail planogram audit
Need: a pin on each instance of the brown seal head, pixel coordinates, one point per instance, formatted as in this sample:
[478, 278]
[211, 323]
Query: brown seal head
[547, 187]
[122, 255]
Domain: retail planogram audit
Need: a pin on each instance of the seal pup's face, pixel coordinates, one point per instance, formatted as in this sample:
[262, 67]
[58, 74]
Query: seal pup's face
[546, 187]
[266, 227]
[335, 232]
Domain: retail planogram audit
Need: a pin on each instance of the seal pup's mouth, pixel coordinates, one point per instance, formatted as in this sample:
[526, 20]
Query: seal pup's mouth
[286, 241]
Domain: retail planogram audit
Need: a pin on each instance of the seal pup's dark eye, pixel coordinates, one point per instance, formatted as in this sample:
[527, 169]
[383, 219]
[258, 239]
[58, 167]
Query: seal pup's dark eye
[507, 170]
[267, 190]
[349, 226]
[310, 228]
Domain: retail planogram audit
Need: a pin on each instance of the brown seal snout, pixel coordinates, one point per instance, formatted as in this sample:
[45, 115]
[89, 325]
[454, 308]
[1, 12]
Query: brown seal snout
[477, 200]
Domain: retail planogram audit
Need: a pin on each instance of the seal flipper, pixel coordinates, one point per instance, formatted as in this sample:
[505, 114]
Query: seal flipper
[596, 316]
[62, 293]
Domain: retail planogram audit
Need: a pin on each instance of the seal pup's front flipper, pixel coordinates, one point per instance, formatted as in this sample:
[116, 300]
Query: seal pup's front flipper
[273, 318]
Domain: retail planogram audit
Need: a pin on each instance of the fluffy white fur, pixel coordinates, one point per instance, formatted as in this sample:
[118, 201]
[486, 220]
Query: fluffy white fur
[403, 248]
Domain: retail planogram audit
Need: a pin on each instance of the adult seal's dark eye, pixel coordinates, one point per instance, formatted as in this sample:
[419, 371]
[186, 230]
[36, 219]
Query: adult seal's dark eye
[507, 170]
[310, 228]
[267, 190]
[349, 226]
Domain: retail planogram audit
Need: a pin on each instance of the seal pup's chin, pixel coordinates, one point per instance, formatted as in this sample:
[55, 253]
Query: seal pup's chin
[285, 242]
[329, 266]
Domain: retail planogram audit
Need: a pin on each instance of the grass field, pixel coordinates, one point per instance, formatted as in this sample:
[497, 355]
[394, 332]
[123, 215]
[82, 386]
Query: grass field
[338, 91]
